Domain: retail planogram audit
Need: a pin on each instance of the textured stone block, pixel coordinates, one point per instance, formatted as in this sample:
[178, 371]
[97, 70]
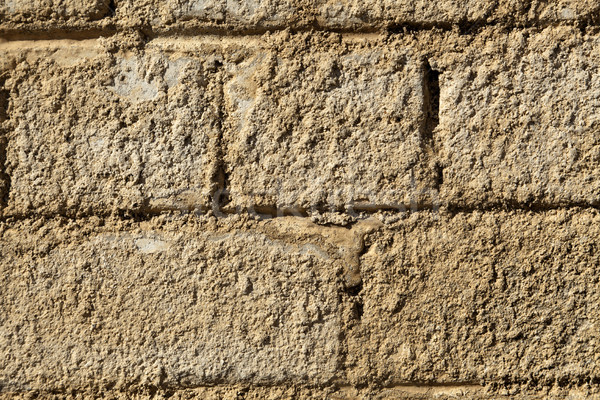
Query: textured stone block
[239, 15]
[503, 297]
[519, 118]
[40, 10]
[360, 14]
[268, 13]
[93, 132]
[169, 304]
[313, 122]
[160, 14]
[351, 14]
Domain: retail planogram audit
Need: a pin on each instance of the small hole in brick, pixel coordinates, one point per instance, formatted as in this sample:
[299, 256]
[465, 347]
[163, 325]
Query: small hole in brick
[354, 290]
[439, 178]
[357, 303]
[112, 9]
[431, 93]
[358, 310]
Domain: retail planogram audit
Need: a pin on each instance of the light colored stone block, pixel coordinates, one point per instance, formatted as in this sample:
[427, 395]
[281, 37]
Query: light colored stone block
[490, 298]
[519, 114]
[40, 10]
[346, 14]
[163, 304]
[317, 123]
[93, 132]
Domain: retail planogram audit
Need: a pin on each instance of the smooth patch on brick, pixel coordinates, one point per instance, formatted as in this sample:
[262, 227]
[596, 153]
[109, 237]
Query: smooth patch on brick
[94, 132]
[326, 124]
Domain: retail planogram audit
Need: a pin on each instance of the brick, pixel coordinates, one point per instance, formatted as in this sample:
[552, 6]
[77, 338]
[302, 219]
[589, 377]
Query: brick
[518, 116]
[315, 123]
[243, 15]
[40, 10]
[267, 13]
[361, 14]
[494, 297]
[169, 304]
[160, 14]
[92, 132]
[239, 15]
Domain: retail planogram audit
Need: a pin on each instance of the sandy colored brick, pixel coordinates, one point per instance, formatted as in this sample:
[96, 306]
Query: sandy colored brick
[268, 13]
[28, 11]
[96, 132]
[496, 297]
[326, 122]
[243, 15]
[372, 13]
[519, 113]
[167, 303]
[160, 14]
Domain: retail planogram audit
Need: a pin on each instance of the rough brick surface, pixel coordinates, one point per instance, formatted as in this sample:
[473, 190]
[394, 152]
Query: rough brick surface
[31, 11]
[299, 199]
[97, 132]
[245, 15]
[211, 14]
[360, 14]
[326, 124]
[93, 305]
[518, 119]
[480, 297]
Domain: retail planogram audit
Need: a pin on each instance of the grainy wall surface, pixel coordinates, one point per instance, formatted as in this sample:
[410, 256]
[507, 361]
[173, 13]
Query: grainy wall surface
[294, 199]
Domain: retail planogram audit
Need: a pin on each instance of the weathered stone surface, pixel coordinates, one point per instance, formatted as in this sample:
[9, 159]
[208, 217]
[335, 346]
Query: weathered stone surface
[159, 13]
[361, 14]
[503, 297]
[298, 392]
[27, 11]
[97, 132]
[349, 14]
[238, 14]
[519, 119]
[93, 304]
[324, 121]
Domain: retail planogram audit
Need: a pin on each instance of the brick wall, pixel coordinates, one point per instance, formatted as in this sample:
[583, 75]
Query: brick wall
[299, 199]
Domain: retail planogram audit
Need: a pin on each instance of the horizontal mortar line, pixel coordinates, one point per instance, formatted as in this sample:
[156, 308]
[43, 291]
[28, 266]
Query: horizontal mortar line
[57, 34]
[426, 385]
[471, 28]
[273, 212]
[172, 388]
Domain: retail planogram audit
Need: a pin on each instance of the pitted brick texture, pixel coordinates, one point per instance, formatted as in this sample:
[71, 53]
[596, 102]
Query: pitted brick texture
[518, 119]
[252, 15]
[30, 11]
[299, 199]
[479, 297]
[174, 304]
[335, 127]
[96, 132]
